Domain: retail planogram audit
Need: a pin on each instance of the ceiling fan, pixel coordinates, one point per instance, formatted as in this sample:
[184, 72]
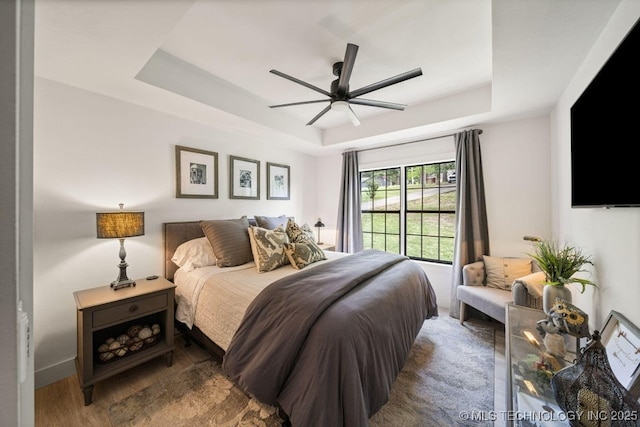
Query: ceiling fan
[340, 97]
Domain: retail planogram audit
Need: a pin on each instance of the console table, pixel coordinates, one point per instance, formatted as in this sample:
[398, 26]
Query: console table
[530, 401]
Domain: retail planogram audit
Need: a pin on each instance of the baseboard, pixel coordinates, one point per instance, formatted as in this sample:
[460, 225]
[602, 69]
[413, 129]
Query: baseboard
[54, 373]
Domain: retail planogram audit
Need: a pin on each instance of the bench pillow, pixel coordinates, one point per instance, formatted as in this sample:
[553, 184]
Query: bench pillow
[502, 272]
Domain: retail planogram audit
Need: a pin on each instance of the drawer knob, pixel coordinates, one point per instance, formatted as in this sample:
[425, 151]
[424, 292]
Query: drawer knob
[133, 308]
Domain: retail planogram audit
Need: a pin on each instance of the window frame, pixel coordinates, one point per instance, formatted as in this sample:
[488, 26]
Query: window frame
[386, 212]
[405, 211]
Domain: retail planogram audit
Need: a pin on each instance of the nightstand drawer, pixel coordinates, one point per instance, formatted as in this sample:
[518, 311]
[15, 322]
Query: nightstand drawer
[130, 309]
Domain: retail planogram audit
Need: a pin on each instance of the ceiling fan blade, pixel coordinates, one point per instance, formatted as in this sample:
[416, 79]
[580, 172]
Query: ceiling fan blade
[299, 103]
[320, 114]
[352, 116]
[347, 67]
[300, 82]
[381, 104]
[386, 82]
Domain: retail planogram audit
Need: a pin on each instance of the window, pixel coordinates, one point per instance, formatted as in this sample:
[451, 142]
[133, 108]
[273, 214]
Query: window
[410, 210]
[381, 209]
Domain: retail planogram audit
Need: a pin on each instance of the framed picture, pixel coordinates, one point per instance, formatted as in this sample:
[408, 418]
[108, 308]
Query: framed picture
[278, 182]
[621, 338]
[244, 178]
[196, 173]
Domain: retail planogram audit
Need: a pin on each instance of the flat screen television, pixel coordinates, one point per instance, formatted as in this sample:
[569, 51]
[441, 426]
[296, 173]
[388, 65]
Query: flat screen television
[605, 132]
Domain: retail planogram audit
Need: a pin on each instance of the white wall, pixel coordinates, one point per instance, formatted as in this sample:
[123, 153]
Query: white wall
[91, 153]
[328, 194]
[515, 158]
[612, 236]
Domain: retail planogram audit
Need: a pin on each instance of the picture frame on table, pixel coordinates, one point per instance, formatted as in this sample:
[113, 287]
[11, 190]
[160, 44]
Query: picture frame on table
[278, 181]
[244, 178]
[196, 173]
[621, 339]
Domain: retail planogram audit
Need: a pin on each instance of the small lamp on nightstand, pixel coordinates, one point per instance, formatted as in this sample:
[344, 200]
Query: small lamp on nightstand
[119, 225]
[319, 225]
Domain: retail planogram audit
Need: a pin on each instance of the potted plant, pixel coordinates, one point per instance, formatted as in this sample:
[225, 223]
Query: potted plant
[559, 263]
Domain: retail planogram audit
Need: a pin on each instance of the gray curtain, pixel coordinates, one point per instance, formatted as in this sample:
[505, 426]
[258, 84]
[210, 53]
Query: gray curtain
[472, 232]
[349, 238]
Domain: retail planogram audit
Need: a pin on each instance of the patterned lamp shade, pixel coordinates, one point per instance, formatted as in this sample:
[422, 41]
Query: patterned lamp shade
[119, 225]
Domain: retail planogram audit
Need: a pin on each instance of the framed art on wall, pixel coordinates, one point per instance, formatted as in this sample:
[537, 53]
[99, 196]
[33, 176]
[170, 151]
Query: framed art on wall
[621, 339]
[196, 173]
[278, 187]
[244, 178]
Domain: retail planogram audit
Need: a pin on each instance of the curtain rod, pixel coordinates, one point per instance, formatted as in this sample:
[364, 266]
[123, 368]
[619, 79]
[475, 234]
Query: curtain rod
[413, 142]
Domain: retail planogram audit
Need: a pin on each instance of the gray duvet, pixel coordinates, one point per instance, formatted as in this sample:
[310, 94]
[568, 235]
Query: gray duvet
[327, 343]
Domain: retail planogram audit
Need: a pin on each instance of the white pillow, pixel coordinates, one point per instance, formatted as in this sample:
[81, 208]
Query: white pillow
[502, 272]
[194, 254]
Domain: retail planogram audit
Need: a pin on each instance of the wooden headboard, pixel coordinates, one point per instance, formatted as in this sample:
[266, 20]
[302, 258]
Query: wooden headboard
[173, 235]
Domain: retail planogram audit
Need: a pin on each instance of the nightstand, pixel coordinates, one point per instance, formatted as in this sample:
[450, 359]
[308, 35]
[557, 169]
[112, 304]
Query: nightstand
[327, 247]
[103, 313]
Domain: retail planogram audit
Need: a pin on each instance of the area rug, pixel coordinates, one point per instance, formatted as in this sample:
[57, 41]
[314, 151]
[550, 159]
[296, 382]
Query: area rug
[450, 370]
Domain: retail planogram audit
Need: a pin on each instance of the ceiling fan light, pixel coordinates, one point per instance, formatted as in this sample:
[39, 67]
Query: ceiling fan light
[340, 106]
[344, 107]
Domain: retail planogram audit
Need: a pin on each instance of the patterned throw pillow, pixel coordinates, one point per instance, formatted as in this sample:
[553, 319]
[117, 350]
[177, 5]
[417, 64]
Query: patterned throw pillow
[268, 247]
[303, 253]
[298, 233]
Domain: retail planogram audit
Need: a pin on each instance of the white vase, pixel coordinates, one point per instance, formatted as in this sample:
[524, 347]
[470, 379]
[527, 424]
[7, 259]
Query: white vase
[550, 293]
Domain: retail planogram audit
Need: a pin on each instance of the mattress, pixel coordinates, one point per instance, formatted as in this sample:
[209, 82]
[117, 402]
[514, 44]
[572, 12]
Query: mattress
[215, 299]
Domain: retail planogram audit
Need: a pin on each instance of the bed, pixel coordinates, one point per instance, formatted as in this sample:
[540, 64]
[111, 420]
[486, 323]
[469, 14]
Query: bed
[324, 342]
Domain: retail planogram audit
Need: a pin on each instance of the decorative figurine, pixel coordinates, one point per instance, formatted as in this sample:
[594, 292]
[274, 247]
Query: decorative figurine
[563, 318]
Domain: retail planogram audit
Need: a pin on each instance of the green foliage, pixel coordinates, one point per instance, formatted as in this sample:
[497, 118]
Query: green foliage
[372, 188]
[561, 262]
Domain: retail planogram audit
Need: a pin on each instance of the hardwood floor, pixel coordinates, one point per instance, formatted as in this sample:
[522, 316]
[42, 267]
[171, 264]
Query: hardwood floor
[62, 403]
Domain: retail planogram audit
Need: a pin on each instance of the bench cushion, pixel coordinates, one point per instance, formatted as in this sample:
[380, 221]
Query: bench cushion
[490, 301]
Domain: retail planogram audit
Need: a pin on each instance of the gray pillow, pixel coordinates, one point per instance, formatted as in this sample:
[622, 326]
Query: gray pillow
[229, 239]
[270, 222]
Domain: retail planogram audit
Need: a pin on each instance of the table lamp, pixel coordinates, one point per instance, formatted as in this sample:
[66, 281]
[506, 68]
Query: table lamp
[119, 225]
[319, 225]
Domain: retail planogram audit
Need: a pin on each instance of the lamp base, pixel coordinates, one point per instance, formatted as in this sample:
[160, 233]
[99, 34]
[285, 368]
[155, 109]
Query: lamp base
[122, 284]
[122, 281]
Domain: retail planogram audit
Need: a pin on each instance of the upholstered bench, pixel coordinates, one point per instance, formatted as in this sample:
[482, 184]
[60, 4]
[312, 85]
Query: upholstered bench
[489, 285]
